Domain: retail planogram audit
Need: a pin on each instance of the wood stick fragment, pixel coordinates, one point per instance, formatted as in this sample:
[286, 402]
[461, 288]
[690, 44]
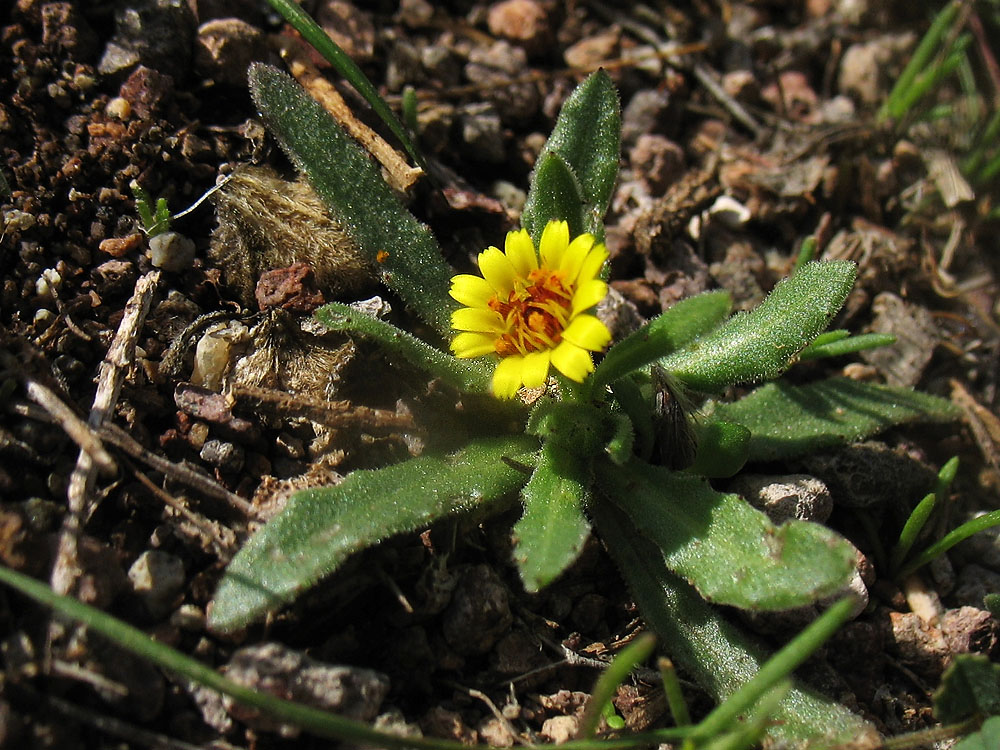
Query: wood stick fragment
[399, 174]
[111, 373]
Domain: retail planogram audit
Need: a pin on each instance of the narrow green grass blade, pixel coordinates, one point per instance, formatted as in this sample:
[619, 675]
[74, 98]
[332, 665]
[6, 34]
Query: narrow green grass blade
[616, 673]
[929, 46]
[313, 720]
[911, 530]
[464, 374]
[401, 249]
[949, 540]
[333, 54]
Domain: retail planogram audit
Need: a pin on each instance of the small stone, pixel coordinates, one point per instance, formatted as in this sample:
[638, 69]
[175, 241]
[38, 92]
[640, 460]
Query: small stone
[118, 247]
[274, 668]
[155, 33]
[917, 336]
[157, 577]
[590, 52]
[147, 91]
[227, 457]
[224, 49]
[188, 617]
[786, 497]
[415, 13]
[560, 729]
[741, 85]
[482, 134]
[118, 108]
[794, 98]
[215, 352]
[292, 288]
[657, 160]
[66, 31]
[524, 22]
[171, 251]
[495, 733]
[969, 630]
[644, 112]
[479, 612]
[352, 29]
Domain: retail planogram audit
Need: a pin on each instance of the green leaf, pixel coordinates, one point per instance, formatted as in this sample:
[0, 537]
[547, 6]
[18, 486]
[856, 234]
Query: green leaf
[464, 374]
[726, 549]
[587, 135]
[717, 654]
[320, 528]
[969, 686]
[557, 194]
[987, 738]
[400, 248]
[839, 345]
[761, 344]
[723, 448]
[788, 420]
[343, 64]
[553, 529]
[664, 334]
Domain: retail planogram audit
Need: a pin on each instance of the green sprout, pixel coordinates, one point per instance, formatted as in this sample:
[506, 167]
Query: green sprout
[154, 220]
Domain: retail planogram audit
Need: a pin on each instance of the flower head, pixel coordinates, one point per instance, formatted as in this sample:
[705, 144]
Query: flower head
[531, 308]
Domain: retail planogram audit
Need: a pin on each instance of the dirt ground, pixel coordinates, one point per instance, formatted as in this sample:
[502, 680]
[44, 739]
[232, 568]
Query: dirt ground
[747, 126]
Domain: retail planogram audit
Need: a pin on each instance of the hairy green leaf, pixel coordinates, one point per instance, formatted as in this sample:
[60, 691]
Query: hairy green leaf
[723, 448]
[969, 686]
[987, 738]
[557, 194]
[726, 549]
[840, 343]
[761, 344]
[721, 657]
[553, 529]
[788, 420]
[587, 136]
[663, 335]
[321, 527]
[399, 247]
[467, 375]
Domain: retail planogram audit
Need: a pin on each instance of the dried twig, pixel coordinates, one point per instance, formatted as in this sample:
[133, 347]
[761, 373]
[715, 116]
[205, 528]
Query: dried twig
[401, 175]
[109, 381]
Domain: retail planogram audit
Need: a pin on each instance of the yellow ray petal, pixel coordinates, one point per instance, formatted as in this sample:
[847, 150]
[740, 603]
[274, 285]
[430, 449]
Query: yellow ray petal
[535, 369]
[521, 252]
[507, 377]
[472, 291]
[587, 332]
[576, 253]
[476, 319]
[592, 264]
[588, 294]
[555, 239]
[497, 270]
[466, 345]
[572, 361]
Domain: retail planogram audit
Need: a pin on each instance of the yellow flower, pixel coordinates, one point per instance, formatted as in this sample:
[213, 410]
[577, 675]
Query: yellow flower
[531, 308]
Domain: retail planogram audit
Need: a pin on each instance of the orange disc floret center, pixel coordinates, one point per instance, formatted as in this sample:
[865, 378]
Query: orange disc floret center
[535, 313]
